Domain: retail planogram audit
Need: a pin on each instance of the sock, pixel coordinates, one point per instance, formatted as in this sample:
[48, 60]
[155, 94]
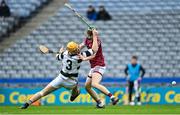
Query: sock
[139, 99]
[130, 97]
[98, 101]
[110, 94]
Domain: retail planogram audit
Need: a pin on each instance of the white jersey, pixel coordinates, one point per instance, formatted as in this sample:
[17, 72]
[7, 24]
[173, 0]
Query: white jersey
[69, 72]
[71, 63]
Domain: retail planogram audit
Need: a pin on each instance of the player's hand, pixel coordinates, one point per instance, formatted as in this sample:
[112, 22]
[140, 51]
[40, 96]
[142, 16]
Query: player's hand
[81, 57]
[61, 50]
[95, 32]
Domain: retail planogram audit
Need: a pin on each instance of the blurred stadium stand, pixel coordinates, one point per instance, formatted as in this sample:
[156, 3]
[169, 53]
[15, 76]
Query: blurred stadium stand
[24, 8]
[7, 24]
[20, 9]
[149, 29]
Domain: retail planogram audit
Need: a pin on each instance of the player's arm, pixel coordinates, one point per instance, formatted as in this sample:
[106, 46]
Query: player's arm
[86, 55]
[91, 53]
[126, 71]
[83, 58]
[95, 41]
[59, 55]
[82, 45]
[143, 71]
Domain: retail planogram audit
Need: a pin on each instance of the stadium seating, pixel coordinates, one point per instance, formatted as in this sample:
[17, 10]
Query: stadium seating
[19, 9]
[24, 8]
[7, 24]
[146, 28]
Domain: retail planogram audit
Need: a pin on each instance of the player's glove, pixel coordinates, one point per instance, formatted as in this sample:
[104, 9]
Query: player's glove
[61, 50]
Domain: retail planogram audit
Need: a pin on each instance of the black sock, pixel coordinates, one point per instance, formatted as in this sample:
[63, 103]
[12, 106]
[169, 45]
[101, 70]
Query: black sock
[27, 104]
[130, 97]
[110, 95]
[98, 101]
[139, 99]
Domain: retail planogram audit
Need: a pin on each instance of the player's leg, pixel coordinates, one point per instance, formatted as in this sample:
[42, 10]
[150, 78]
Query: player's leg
[71, 83]
[93, 93]
[129, 91]
[48, 89]
[137, 92]
[130, 87]
[96, 79]
[90, 90]
[75, 93]
[52, 86]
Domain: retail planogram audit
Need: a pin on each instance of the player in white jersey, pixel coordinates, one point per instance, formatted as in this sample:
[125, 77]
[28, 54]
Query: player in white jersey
[71, 59]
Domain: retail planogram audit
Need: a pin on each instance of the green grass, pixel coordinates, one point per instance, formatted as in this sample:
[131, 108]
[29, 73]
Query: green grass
[146, 109]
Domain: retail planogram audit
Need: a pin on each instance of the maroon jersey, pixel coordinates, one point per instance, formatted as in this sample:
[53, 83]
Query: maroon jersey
[98, 60]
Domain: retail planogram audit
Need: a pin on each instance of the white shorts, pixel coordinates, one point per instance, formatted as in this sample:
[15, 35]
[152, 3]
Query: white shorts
[62, 81]
[97, 69]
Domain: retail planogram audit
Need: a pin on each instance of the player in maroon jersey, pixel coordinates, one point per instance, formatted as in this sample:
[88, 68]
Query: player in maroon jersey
[98, 68]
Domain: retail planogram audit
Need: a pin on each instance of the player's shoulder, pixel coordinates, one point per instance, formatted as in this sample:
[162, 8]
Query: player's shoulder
[65, 52]
[72, 57]
[76, 59]
[139, 64]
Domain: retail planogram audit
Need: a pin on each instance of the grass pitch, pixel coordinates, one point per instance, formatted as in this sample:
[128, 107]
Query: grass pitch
[146, 109]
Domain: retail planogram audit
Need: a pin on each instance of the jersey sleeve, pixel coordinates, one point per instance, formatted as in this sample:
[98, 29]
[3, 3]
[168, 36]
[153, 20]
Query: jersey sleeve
[126, 70]
[87, 53]
[143, 71]
[60, 56]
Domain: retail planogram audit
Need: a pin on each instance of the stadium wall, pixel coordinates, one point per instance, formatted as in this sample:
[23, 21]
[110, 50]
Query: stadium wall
[153, 95]
[106, 79]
